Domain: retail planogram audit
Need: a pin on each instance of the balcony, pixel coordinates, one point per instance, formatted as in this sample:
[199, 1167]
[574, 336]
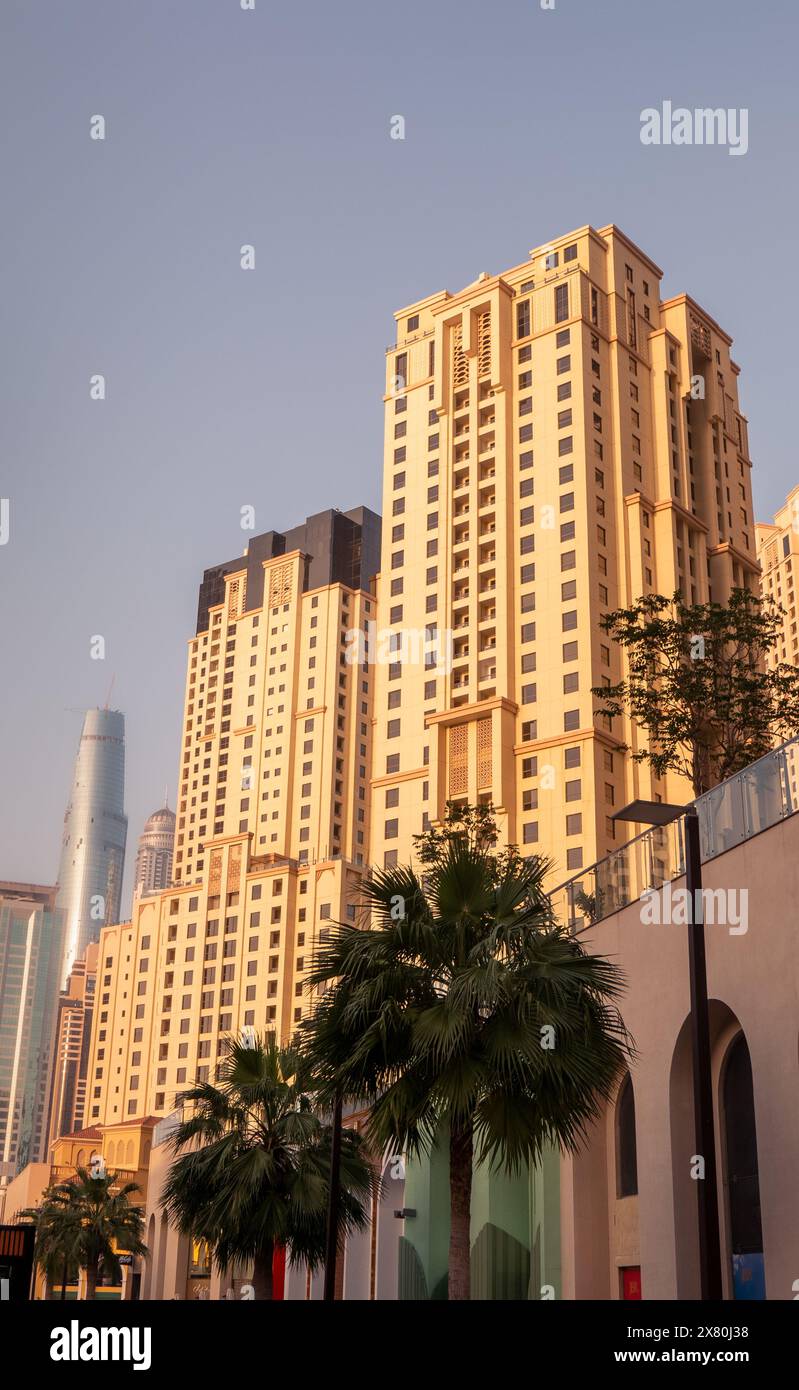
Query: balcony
[753, 800]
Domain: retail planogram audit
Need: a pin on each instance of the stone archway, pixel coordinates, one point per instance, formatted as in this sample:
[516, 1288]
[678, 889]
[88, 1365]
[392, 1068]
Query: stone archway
[740, 1172]
[724, 1029]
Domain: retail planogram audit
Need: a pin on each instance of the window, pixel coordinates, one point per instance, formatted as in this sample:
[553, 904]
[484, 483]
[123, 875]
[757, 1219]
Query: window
[523, 319]
[626, 1150]
[570, 253]
[561, 303]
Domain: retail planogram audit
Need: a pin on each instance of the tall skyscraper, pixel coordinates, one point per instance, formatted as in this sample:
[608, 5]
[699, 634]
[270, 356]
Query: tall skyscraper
[273, 809]
[30, 955]
[95, 830]
[73, 1031]
[154, 855]
[778, 553]
[559, 441]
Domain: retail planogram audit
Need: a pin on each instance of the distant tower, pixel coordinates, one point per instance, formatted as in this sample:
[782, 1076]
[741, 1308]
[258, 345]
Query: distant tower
[95, 832]
[154, 856]
[30, 954]
[73, 1030]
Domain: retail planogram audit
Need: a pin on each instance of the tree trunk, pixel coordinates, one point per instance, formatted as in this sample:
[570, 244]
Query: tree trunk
[64, 1280]
[460, 1203]
[262, 1273]
[91, 1281]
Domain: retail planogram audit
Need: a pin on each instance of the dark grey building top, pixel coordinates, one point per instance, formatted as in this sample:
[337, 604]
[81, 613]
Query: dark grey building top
[340, 548]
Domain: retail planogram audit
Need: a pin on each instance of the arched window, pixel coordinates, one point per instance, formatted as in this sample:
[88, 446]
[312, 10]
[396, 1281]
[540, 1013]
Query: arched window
[626, 1152]
[743, 1183]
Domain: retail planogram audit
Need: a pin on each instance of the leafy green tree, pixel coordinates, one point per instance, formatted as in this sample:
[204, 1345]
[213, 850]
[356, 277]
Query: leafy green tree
[253, 1165]
[87, 1222]
[698, 684]
[466, 1013]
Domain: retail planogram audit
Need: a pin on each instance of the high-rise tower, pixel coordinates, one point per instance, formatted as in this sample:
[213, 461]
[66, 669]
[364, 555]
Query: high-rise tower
[73, 1031]
[559, 441]
[95, 831]
[30, 954]
[154, 855]
[273, 817]
[778, 553]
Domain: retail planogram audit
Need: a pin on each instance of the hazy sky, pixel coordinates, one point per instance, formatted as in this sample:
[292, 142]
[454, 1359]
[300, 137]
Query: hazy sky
[225, 387]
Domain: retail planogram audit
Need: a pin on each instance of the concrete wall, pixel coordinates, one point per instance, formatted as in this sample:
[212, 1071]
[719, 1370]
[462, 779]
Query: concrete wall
[753, 985]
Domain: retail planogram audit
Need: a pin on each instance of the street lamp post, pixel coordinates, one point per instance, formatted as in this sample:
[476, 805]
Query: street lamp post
[663, 813]
[334, 1199]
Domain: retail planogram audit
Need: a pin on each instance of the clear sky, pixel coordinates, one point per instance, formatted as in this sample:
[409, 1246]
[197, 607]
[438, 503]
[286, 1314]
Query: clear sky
[272, 127]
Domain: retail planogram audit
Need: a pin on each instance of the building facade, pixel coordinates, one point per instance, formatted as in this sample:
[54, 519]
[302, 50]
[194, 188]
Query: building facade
[272, 831]
[559, 441]
[778, 553]
[95, 832]
[154, 855]
[122, 1150]
[73, 1031]
[31, 938]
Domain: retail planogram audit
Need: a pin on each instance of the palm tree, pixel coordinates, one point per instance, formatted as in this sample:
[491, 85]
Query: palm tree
[466, 1010]
[57, 1239]
[254, 1163]
[86, 1221]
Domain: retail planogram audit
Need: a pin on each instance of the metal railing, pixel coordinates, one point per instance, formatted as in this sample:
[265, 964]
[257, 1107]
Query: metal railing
[764, 794]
